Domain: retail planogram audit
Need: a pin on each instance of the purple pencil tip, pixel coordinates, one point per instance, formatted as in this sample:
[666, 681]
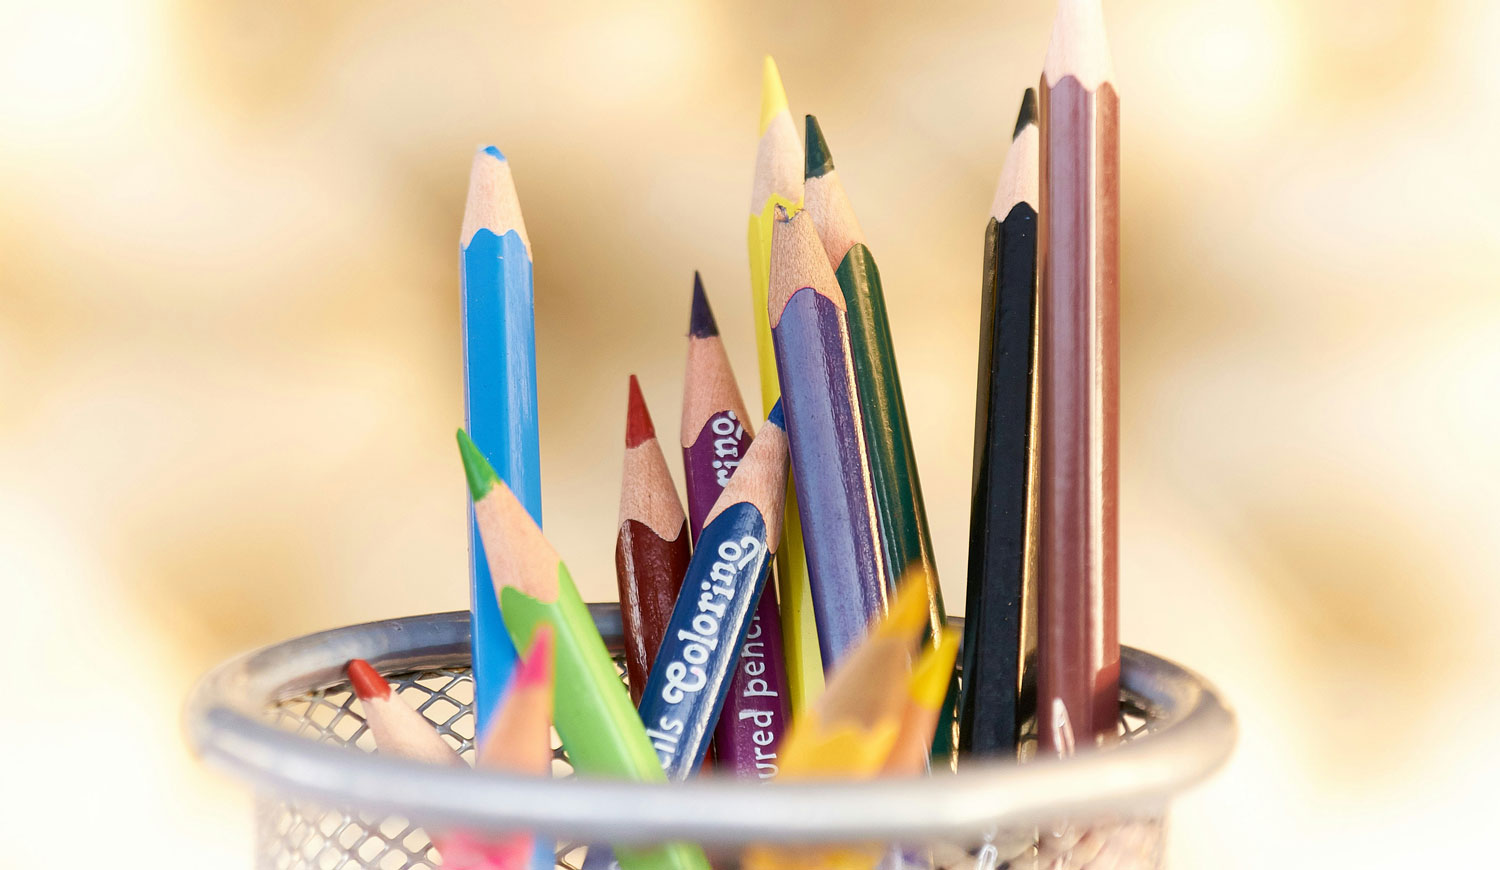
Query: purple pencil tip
[701, 324]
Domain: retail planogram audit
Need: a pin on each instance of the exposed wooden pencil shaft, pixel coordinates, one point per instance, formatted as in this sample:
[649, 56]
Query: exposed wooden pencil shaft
[1078, 656]
[760, 481]
[492, 203]
[398, 729]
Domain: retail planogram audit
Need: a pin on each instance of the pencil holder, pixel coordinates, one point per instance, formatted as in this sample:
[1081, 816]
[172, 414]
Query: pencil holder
[284, 720]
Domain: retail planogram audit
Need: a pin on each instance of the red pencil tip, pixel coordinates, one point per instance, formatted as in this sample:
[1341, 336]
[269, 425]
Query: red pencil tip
[638, 426]
[367, 684]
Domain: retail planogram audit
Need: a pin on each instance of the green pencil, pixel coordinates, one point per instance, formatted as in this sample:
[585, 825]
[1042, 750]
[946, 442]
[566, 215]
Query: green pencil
[599, 726]
[904, 533]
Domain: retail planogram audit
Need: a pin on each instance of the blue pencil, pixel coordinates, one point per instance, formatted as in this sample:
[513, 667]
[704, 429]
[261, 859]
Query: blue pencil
[688, 683]
[499, 390]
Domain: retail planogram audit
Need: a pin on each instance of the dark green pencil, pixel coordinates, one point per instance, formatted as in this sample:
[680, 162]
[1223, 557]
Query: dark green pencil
[904, 533]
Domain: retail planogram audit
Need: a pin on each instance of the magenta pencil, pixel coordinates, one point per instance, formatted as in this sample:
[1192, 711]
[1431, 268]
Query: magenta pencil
[715, 435]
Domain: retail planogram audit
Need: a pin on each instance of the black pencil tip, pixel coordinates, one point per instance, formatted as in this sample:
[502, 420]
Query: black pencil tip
[1028, 112]
[819, 160]
[701, 324]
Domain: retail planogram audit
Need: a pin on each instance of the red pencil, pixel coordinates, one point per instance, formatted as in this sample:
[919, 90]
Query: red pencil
[651, 552]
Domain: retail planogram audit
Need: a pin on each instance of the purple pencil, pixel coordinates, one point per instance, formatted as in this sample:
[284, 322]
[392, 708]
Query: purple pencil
[834, 494]
[715, 435]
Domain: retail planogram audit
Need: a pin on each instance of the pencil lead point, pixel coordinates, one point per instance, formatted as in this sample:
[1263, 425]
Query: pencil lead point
[701, 324]
[480, 474]
[493, 152]
[367, 683]
[907, 613]
[1028, 114]
[777, 417]
[819, 158]
[638, 426]
[934, 670]
[536, 666]
[772, 94]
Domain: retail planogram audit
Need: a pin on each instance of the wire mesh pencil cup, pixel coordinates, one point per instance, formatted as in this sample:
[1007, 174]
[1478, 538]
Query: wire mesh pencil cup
[284, 719]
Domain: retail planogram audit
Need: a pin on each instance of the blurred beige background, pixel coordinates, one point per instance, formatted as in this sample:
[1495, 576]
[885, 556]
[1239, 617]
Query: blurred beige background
[230, 369]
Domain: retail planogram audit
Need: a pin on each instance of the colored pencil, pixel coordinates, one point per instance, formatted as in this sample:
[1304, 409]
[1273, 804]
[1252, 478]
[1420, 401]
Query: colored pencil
[1078, 244]
[599, 727]
[519, 738]
[689, 682]
[651, 552]
[1000, 619]
[806, 310]
[778, 183]
[715, 435]
[403, 732]
[398, 729]
[499, 387]
[852, 729]
[904, 534]
[905, 537]
[925, 692]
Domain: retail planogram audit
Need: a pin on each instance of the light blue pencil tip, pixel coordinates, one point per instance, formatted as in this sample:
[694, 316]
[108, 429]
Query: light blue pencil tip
[493, 152]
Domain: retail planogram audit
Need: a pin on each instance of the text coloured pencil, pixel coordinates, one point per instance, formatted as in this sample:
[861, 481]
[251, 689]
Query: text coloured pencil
[688, 684]
[715, 437]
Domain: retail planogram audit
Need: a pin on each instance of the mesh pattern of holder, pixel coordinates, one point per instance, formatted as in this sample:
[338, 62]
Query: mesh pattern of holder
[296, 835]
[298, 689]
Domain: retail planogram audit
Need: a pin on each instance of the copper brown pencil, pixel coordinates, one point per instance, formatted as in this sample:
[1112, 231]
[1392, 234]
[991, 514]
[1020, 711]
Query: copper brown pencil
[1078, 243]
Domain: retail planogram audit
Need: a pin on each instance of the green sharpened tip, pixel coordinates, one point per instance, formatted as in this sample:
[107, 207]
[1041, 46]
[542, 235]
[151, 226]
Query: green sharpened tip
[819, 159]
[481, 475]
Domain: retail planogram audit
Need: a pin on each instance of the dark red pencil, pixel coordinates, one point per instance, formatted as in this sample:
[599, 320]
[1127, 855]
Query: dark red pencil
[651, 554]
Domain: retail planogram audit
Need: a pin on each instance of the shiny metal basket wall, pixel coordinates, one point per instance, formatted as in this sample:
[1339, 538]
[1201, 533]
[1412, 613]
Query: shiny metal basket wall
[284, 720]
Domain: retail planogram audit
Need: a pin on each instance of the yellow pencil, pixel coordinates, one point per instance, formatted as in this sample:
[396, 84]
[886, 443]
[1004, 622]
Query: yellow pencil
[778, 182]
[925, 692]
[853, 728]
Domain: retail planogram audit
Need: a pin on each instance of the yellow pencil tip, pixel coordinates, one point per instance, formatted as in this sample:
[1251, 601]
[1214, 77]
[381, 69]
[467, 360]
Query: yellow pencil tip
[772, 94]
[908, 611]
[934, 670]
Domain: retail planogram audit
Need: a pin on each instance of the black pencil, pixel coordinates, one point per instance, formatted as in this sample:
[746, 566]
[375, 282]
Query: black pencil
[1000, 619]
